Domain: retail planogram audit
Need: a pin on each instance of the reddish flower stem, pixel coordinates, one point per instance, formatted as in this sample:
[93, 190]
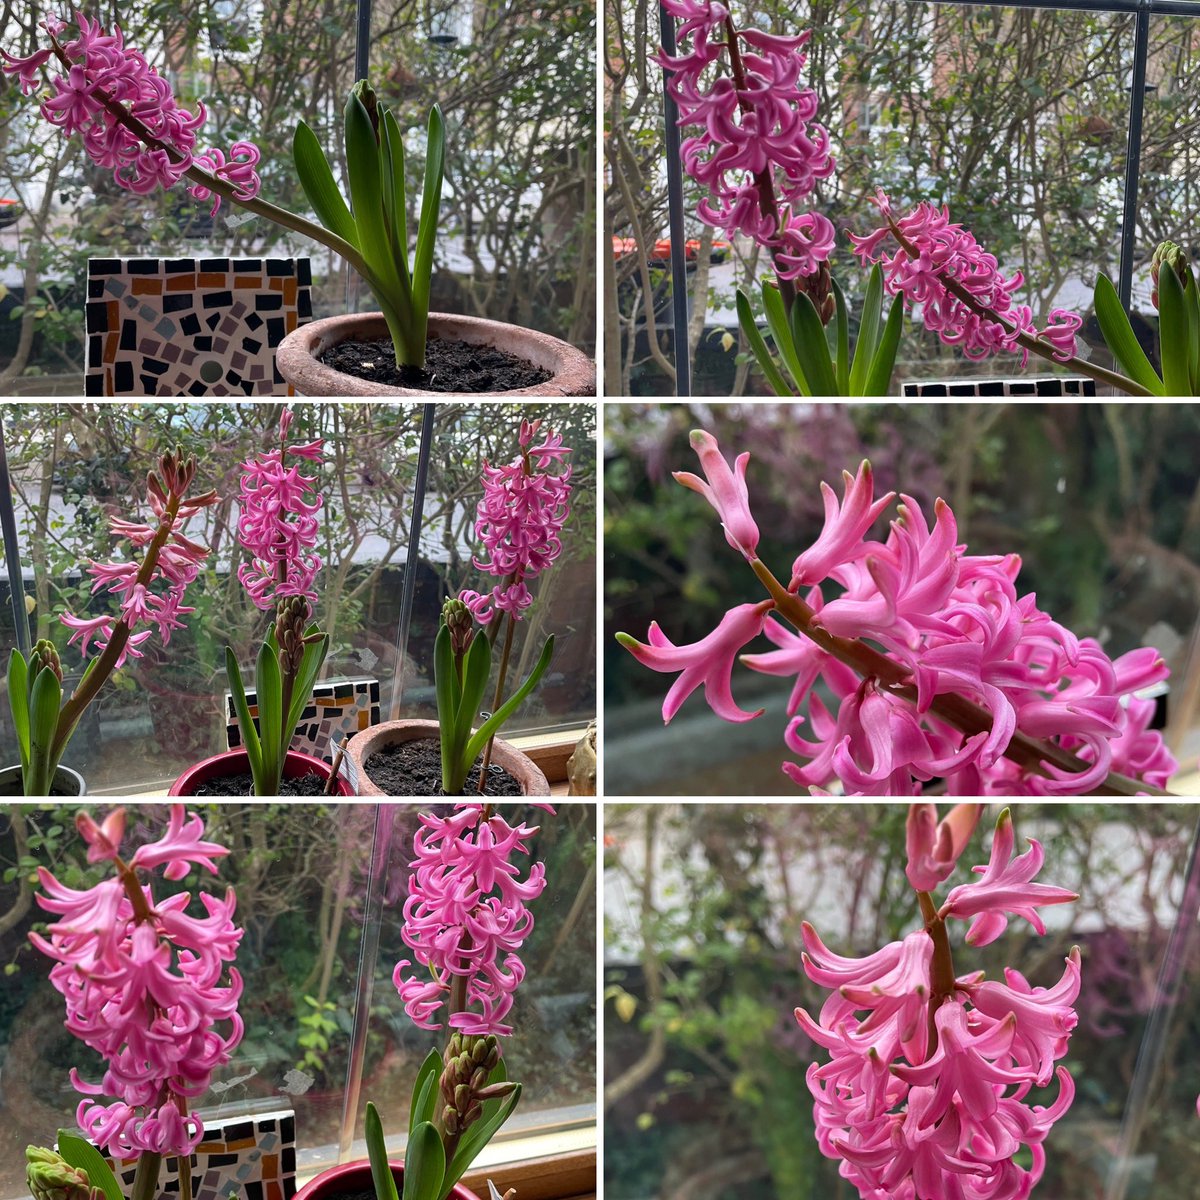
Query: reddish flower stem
[941, 967]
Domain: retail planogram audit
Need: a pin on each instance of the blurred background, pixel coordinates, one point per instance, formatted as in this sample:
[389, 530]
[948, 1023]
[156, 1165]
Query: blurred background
[300, 873]
[1100, 500]
[516, 83]
[704, 1093]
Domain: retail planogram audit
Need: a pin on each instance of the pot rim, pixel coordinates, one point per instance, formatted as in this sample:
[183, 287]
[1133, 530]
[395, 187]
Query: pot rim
[296, 757]
[70, 772]
[297, 357]
[330, 1177]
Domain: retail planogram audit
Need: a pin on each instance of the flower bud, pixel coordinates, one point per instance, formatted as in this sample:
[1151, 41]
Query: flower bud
[291, 617]
[458, 620]
[44, 657]
[1175, 258]
[818, 287]
[366, 94]
[462, 1097]
[450, 1119]
[50, 1177]
[479, 1079]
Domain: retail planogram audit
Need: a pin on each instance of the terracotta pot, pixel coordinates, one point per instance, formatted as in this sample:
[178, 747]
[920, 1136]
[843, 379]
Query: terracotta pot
[298, 356]
[354, 1178]
[237, 762]
[362, 745]
[66, 782]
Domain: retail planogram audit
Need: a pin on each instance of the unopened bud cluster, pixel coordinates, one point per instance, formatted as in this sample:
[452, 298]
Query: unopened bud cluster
[461, 625]
[1175, 258]
[51, 1177]
[44, 657]
[469, 1062]
[291, 619]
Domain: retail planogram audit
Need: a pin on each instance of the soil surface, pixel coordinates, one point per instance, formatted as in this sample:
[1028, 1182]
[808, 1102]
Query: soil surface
[415, 769]
[243, 785]
[450, 366]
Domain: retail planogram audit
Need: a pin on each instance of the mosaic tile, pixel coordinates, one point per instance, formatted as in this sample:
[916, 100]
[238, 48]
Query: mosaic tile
[201, 316]
[1032, 386]
[238, 1157]
[339, 708]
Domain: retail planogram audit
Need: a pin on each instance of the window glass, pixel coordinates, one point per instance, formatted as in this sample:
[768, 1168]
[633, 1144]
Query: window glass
[300, 873]
[75, 465]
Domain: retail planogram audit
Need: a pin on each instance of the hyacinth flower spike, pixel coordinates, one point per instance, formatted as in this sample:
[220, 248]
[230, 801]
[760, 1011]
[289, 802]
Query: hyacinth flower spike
[278, 525]
[465, 920]
[937, 667]
[150, 590]
[151, 989]
[925, 1091]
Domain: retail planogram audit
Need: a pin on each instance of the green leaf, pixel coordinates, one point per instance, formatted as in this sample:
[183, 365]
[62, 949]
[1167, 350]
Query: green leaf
[424, 1164]
[477, 666]
[842, 333]
[808, 337]
[474, 1140]
[781, 333]
[425, 1091]
[1191, 294]
[250, 738]
[83, 1156]
[316, 178]
[493, 723]
[431, 202]
[868, 333]
[1173, 343]
[449, 693]
[45, 700]
[1119, 337]
[879, 377]
[18, 703]
[306, 677]
[381, 1171]
[394, 201]
[268, 684]
[758, 346]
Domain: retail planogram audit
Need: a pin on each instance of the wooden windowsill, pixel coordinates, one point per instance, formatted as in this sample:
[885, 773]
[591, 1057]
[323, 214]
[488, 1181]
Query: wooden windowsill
[550, 753]
[568, 1176]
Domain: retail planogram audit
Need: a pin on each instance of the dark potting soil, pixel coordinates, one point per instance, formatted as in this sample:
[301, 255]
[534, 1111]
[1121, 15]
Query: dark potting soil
[450, 366]
[243, 785]
[415, 769]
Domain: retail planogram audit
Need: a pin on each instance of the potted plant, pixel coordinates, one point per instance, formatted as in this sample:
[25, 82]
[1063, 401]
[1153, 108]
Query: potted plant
[757, 186]
[131, 124]
[151, 592]
[519, 520]
[465, 920]
[151, 989]
[936, 669]
[277, 524]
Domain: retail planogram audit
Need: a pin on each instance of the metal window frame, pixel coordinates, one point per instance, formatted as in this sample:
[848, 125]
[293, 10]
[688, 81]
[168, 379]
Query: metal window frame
[1142, 10]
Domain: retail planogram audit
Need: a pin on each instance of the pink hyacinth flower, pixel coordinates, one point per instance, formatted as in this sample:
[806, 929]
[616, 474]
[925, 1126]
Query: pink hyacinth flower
[933, 846]
[725, 490]
[707, 663]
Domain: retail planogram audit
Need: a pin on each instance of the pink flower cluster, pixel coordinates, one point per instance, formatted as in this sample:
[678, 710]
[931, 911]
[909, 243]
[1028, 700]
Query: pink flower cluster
[466, 917]
[177, 565]
[940, 250]
[954, 622]
[278, 522]
[519, 520]
[757, 134]
[143, 985]
[927, 1094]
[105, 74]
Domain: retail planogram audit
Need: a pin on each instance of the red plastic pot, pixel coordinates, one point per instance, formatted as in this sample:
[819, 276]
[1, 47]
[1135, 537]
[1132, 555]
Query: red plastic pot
[237, 762]
[355, 1177]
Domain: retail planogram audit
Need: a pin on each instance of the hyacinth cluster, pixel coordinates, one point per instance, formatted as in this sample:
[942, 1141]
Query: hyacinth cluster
[151, 591]
[951, 624]
[758, 150]
[277, 521]
[146, 985]
[928, 1087]
[104, 77]
[928, 250]
[465, 919]
[519, 519]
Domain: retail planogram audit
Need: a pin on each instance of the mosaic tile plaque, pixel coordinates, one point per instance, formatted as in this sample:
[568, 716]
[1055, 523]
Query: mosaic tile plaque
[1030, 386]
[247, 1157]
[192, 326]
[339, 708]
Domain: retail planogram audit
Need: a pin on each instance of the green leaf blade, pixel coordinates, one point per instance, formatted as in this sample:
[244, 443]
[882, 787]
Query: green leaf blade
[1120, 339]
[812, 349]
[883, 365]
[1173, 342]
[320, 187]
[869, 332]
[758, 347]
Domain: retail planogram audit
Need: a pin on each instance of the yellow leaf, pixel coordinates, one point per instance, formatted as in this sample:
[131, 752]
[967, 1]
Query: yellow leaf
[626, 1006]
[727, 341]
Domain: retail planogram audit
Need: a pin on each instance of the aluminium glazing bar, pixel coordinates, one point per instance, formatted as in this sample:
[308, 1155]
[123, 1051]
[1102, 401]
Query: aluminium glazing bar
[12, 552]
[679, 296]
[1133, 151]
